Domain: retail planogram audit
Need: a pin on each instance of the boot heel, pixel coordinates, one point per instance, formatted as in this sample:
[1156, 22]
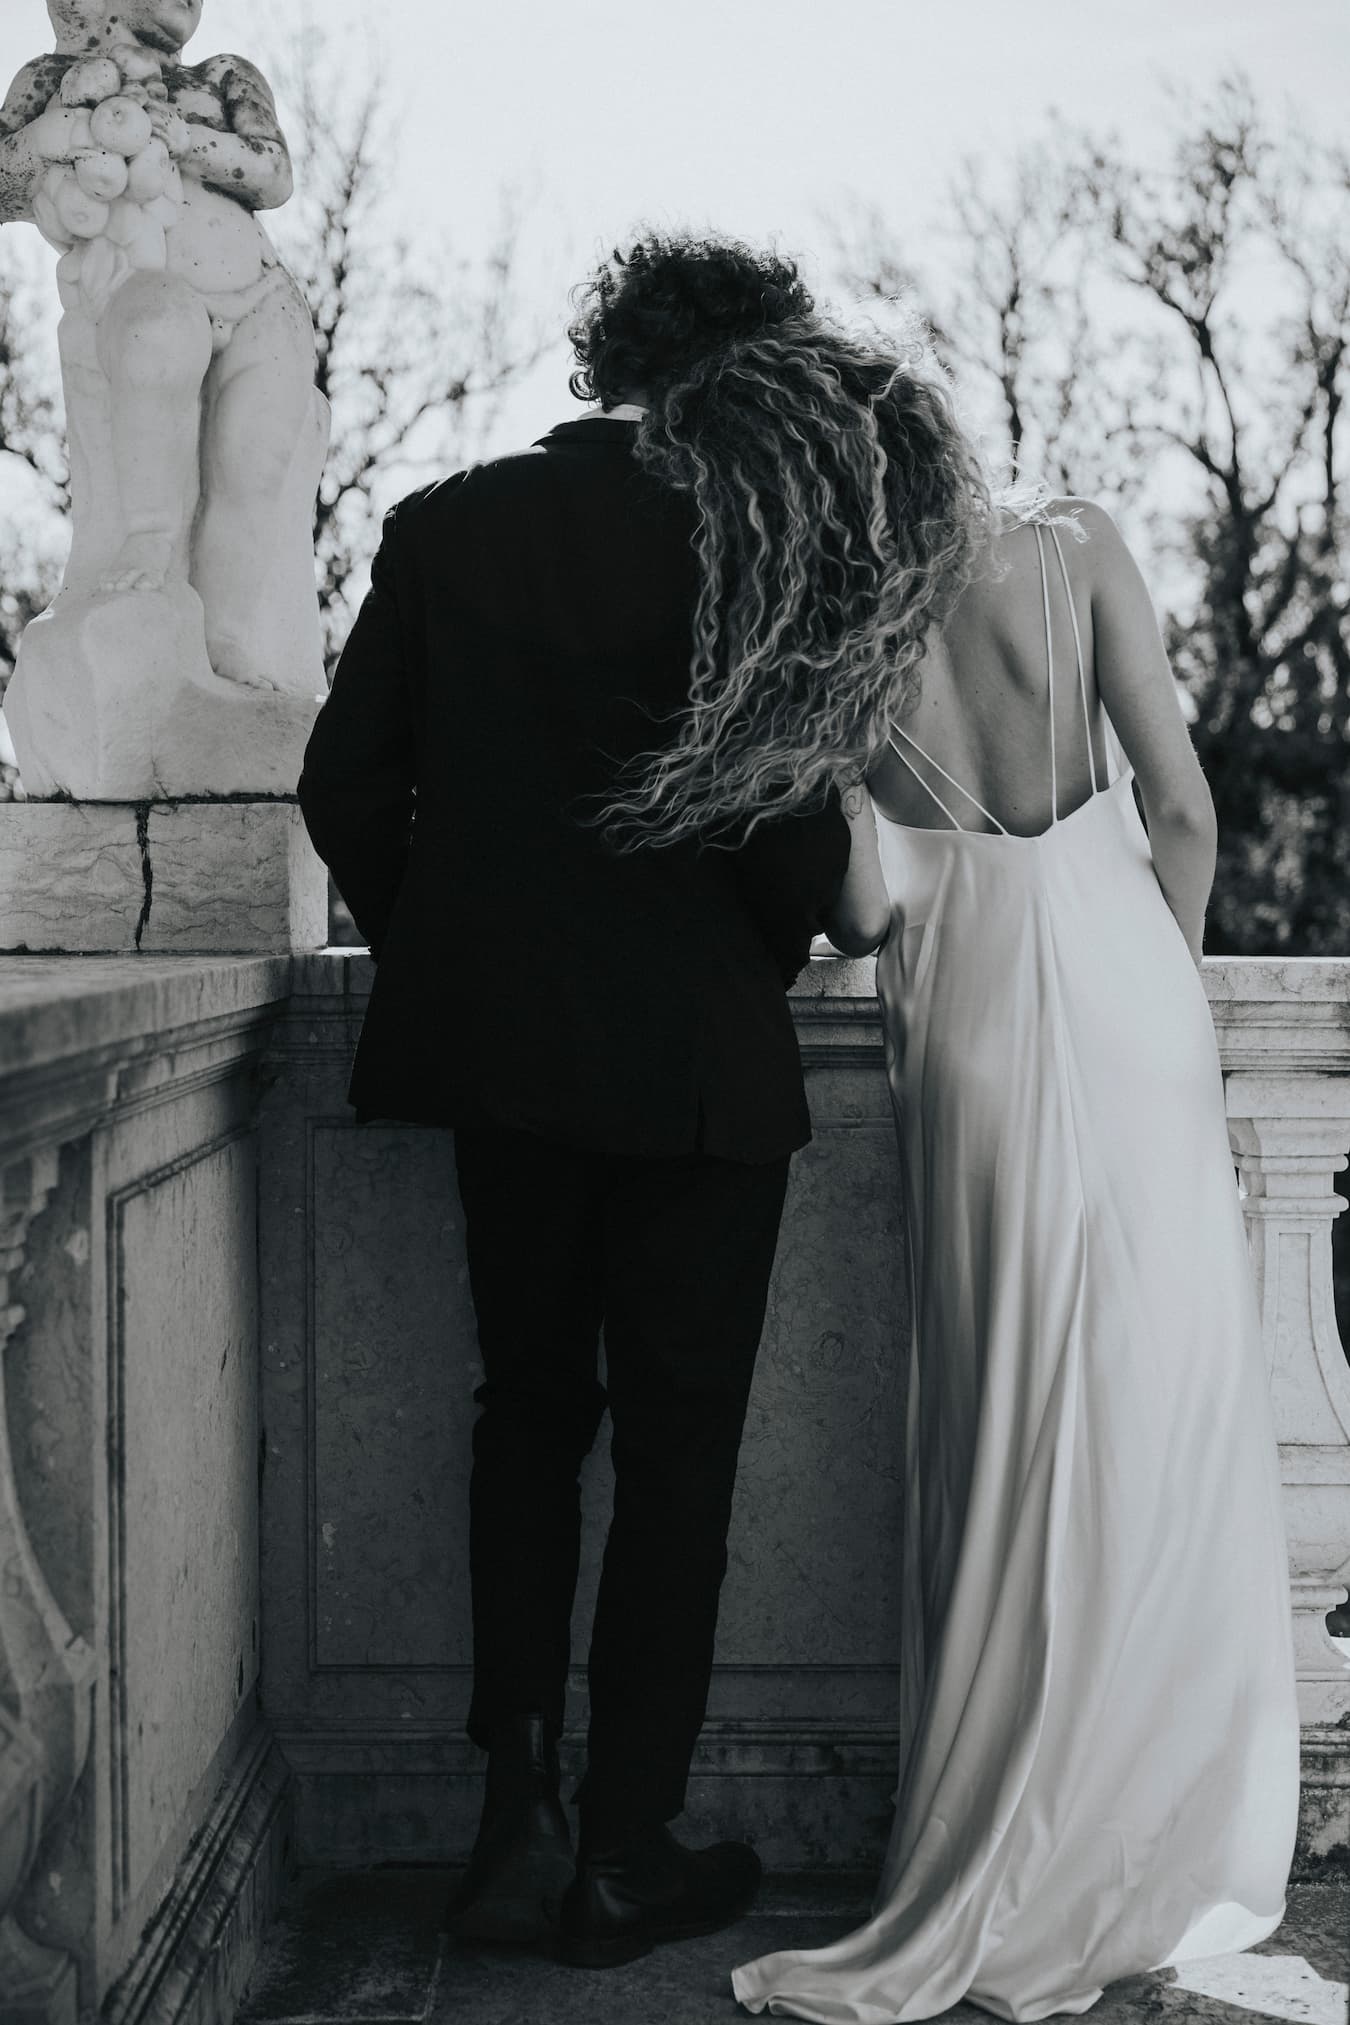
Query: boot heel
[521, 1864]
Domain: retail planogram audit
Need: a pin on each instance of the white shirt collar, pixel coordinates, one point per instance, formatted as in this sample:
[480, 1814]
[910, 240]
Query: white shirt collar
[627, 411]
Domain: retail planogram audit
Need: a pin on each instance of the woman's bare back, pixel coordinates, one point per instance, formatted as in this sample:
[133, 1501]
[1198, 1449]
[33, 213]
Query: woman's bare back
[981, 711]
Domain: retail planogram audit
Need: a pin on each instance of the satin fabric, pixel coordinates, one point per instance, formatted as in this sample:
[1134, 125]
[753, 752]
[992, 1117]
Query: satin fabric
[1099, 1736]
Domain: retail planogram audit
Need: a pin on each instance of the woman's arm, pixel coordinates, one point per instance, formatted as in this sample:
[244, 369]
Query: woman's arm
[860, 918]
[1140, 696]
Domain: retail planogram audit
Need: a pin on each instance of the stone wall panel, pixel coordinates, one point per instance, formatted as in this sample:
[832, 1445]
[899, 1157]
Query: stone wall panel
[183, 1521]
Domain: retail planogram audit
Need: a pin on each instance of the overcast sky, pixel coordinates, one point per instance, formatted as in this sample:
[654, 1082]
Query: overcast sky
[754, 115]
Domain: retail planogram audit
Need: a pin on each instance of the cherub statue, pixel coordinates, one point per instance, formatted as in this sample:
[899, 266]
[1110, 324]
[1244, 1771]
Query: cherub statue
[197, 435]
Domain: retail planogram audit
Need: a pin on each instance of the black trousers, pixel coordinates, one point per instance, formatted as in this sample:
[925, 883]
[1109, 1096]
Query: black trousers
[672, 1258]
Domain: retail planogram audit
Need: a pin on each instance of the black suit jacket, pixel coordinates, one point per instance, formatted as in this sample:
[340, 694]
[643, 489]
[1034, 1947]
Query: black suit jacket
[528, 628]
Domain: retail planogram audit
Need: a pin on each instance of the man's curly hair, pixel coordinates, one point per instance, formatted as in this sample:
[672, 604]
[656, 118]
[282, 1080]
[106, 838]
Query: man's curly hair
[659, 308]
[841, 512]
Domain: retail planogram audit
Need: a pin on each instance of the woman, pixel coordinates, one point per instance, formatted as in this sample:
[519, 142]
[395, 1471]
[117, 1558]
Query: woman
[1099, 1771]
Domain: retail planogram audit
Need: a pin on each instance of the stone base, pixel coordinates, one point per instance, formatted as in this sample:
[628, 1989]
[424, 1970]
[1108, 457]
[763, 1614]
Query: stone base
[1324, 1812]
[182, 877]
[811, 1798]
[113, 699]
[198, 1954]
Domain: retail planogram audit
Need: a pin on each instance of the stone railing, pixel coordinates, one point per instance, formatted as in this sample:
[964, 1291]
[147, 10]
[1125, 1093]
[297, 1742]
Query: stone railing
[238, 1366]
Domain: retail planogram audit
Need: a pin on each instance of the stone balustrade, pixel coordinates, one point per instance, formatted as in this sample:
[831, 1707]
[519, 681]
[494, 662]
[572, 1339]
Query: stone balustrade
[1284, 1040]
[237, 1358]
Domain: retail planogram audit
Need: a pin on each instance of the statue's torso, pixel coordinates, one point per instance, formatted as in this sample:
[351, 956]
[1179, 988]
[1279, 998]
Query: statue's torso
[217, 242]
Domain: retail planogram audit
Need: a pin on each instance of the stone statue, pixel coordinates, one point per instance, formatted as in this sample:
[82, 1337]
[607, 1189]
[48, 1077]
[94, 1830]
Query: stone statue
[182, 654]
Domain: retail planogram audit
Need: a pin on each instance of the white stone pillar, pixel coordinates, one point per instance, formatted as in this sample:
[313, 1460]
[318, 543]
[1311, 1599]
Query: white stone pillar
[1290, 1136]
[1283, 1026]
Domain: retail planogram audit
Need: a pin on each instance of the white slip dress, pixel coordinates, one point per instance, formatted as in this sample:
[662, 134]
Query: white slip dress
[1099, 1733]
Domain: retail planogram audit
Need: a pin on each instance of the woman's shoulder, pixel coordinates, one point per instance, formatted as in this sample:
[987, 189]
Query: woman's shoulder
[1081, 524]
[1031, 507]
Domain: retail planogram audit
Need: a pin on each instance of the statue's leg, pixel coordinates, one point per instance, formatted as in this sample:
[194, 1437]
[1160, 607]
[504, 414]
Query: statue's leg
[154, 344]
[96, 528]
[253, 552]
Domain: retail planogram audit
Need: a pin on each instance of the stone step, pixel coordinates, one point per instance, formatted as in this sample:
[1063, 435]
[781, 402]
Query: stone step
[366, 1948]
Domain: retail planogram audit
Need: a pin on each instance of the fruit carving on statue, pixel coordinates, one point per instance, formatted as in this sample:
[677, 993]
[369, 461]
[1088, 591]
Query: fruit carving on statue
[109, 205]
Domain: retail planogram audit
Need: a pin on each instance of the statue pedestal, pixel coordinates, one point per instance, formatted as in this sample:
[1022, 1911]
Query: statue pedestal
[189, 877]
[113, 699]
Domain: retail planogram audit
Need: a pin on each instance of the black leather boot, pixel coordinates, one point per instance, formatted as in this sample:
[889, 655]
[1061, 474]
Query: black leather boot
[649, 1888]
[522, 1860]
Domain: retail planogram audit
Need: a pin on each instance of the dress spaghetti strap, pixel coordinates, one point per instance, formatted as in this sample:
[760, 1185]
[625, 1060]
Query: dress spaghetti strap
[1049, 674]
[928, 788]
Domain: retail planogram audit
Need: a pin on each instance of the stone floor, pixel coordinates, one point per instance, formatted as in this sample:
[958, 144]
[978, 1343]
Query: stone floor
[365, 1948]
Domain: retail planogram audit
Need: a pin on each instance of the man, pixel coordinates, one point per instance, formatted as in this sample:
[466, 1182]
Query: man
[607, 1032]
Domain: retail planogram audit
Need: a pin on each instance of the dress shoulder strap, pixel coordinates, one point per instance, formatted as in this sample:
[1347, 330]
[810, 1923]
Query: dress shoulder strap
[1049, 672]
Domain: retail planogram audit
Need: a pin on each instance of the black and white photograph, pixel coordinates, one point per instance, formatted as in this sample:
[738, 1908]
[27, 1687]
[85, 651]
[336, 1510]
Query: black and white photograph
[674, 1012]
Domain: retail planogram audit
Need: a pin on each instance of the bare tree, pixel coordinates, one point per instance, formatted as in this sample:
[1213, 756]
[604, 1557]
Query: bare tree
[1013, 310]
[34, 476]
[1240, 251]
[30, 402]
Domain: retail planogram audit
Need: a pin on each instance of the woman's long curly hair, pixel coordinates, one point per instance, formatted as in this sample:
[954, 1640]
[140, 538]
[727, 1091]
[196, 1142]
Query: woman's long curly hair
[841, 511]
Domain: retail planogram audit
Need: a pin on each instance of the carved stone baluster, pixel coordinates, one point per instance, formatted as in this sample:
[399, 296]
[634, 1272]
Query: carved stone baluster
[46, 1671]
[1289, 1136]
